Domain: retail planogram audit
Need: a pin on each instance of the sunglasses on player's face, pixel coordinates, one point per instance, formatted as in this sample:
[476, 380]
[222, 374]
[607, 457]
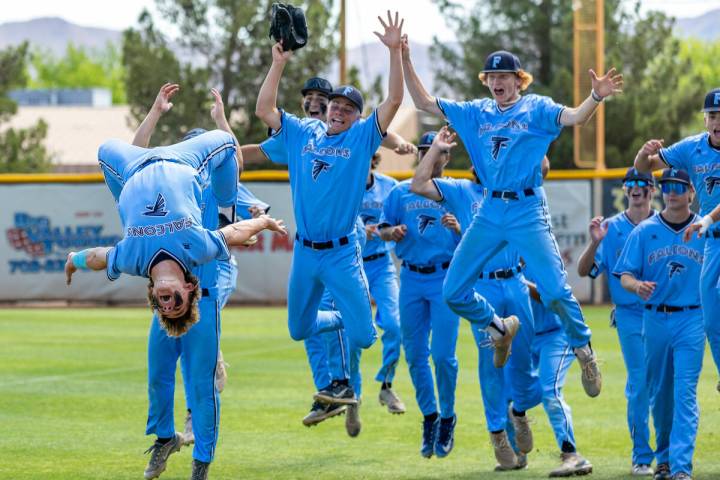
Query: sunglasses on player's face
[636, 183]
[674, 187]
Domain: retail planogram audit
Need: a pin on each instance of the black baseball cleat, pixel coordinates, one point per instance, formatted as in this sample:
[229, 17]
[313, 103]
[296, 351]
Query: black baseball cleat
[322, 411]
[336, 392]
[430, 433]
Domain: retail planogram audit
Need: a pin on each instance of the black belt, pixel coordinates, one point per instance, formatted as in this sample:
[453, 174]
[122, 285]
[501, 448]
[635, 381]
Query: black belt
[322, 245]
[501, 274]
[205, 292]
[669, 308]
[425, 269]
[714, 233]
[511, 195]
[375, 256]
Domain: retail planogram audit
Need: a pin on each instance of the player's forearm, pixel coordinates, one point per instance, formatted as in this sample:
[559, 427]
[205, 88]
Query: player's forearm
[385, 234]
[240, 232]
[629, 283]
[390, 106]
[421, 98]
[266, 105]
[392, 140]
[580, 114]
[422, 183]
[91, 258]
[645, 163]
[252, 154]
[587, 259]
[146, 128]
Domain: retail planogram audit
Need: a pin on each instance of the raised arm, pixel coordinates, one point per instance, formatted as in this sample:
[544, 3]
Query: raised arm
[398, 144]
[647, 158]
[161, 105]
[392, 40]
[422, 183]
[597, 230]
[421, 98]
[88, 259]
[602, 87]
[266, 106]
[217, 112]
[238, 233]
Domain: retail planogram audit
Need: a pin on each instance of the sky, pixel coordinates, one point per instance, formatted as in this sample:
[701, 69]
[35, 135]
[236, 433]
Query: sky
[422, 19]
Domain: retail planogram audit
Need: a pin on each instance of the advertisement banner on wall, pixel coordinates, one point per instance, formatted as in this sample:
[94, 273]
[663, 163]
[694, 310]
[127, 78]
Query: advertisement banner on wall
[41, 223]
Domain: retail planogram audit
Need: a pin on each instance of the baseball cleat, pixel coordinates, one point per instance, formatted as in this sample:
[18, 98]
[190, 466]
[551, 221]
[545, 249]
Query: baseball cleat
[322, 411]
[662, 472]
[503, 345]
[641, 470]
[504, 454]
[353, 425]
[682, 476]
[389, 398]
[159, 454]
[220, 373]
[523, 433]
[446, 437]
[591, 376]
[430, 431]
[199, 470]
[188, 435]
[571, 463]
[336, 392]
[522, 461]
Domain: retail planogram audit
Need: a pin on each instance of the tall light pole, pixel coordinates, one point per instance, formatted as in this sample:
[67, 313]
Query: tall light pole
[343, 60]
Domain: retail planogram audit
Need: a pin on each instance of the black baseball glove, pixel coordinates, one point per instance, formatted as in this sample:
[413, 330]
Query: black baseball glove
[288, 25]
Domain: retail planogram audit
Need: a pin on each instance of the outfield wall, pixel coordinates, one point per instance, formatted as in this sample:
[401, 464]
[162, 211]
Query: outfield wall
[45, 216]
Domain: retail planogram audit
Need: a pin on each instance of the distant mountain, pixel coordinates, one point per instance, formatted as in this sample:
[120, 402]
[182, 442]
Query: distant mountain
[704, 27]
[54, 33]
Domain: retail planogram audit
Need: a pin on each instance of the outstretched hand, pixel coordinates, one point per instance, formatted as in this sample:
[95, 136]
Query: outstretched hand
[598, 229]
[692, 228]
[162, 102]
[405, 45]
[217, 111]
[609, 84]
[652, 147]
[392, 38]
[279, 55]
[274, 225]
[445, 139]
[70, 268]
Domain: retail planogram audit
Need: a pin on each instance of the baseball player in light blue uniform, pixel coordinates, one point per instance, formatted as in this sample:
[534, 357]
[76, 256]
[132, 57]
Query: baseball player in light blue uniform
[327, 158]
[425, 235]
[699, 155]
[664, 271]
[502, 285]
[507, 138]
[607, 240]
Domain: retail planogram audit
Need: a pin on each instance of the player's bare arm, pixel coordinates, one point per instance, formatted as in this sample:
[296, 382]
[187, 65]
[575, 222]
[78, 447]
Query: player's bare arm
[702, 226]
[421, 98]
[393, 233]
[252, 154]
[238, 233]
[422, 183]
[161, 106]
[597, 230]
[391, 38]
[602, 87]
[266, 107]
[647, 158]
[88, 259]
[643, 289]
[217, 113]
[398, 144]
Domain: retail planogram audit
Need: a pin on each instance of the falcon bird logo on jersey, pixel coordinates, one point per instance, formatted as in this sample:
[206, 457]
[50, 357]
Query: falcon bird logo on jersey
[158, 209]
[498, 144]
[711, 183]
[319, 166]
[425, 221]
[674, 267]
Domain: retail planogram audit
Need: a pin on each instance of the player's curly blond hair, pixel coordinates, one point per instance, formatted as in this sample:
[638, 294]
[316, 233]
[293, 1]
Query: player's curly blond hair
[525, 79]
[177, 327]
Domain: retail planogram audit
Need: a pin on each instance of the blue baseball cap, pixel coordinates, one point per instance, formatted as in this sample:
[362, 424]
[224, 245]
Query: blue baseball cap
[349, 92]
[712, 101]
[675, 175]
[317, 83]
[427, 139]
[193, 133]
[633, 174]
[502, 62]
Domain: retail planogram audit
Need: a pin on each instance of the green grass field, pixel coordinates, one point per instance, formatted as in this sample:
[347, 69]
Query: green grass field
[73, 405]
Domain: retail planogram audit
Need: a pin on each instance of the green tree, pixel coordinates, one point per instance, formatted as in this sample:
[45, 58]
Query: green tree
[21, 150]
[702, 58]
[80, 68]
[642, 47]
[221, 43]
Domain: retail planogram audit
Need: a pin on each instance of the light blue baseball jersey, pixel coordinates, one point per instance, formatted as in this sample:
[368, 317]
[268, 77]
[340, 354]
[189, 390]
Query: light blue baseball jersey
[275, 149]
[463, 198]
[327, 173]
[701, 160]
[427, 241]
[608, 253]
[506, 146]
[654, 251]
[160, 212]
[372, 208]
[245, 200]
